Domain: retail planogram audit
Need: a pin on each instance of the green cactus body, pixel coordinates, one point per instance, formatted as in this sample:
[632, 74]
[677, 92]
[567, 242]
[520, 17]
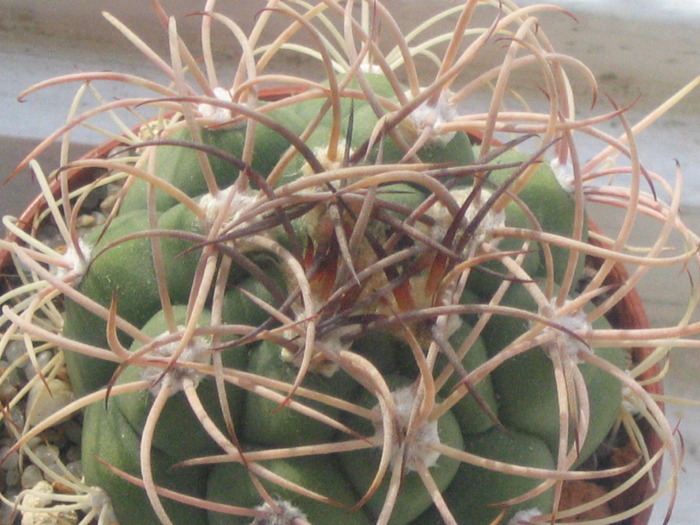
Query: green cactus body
[553, 208]
[477, 493]
[360, 123]
[125, 272]
[393, 358]
[511, 410]
[361, 466]
[109, 439]
[455, 152]
[470, 414]
[230, 484]
[178, 413]
[527, 388]
[268, 423]
[487, 277]
[180, 165]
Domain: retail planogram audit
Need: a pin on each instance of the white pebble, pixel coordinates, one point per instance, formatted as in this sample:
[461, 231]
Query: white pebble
[39, 498]
[14, 350]
[46, 518]
[85, 221]
[42, 360]
[42, 403]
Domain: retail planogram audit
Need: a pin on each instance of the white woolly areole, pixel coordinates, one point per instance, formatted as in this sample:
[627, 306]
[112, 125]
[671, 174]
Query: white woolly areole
[434, 118]
[35, 504]
[286, 514]
[332, 344]
[564, 173]
[197, 351]
[444, 219]
[216, 113]
[321, 154]
[572, 323]
[370, 68]
[73, 263]
[525, 516]
[415, 449]
[236, 204]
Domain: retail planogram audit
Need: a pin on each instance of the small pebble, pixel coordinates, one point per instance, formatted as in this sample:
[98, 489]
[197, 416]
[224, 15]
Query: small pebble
[43, 403]
[93, 199]
[100, 218]
[35, 442]
[13, 478]
[42, 360]
[31, 475]
[75, 468]
[40, 495]
[48, 457]
[15, 421]
[73, 431]
[85, 221]
[108, 203]
[56, 436]
[6, 513]
[11, 384]
[73, 454]
[11, 461]
[14, 350]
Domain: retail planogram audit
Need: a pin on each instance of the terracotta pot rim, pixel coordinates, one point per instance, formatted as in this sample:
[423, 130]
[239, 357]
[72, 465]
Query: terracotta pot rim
[630, 313]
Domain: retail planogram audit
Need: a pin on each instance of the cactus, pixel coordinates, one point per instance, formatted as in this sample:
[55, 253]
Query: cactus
[353, 304]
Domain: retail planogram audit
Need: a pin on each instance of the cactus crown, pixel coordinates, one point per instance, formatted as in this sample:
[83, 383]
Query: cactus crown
[355, 303]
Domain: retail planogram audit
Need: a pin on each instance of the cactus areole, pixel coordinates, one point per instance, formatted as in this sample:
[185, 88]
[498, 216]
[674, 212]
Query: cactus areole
[344, 306]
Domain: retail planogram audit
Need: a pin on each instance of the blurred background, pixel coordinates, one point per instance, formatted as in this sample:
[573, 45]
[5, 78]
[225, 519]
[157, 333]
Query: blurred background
[641, 51]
